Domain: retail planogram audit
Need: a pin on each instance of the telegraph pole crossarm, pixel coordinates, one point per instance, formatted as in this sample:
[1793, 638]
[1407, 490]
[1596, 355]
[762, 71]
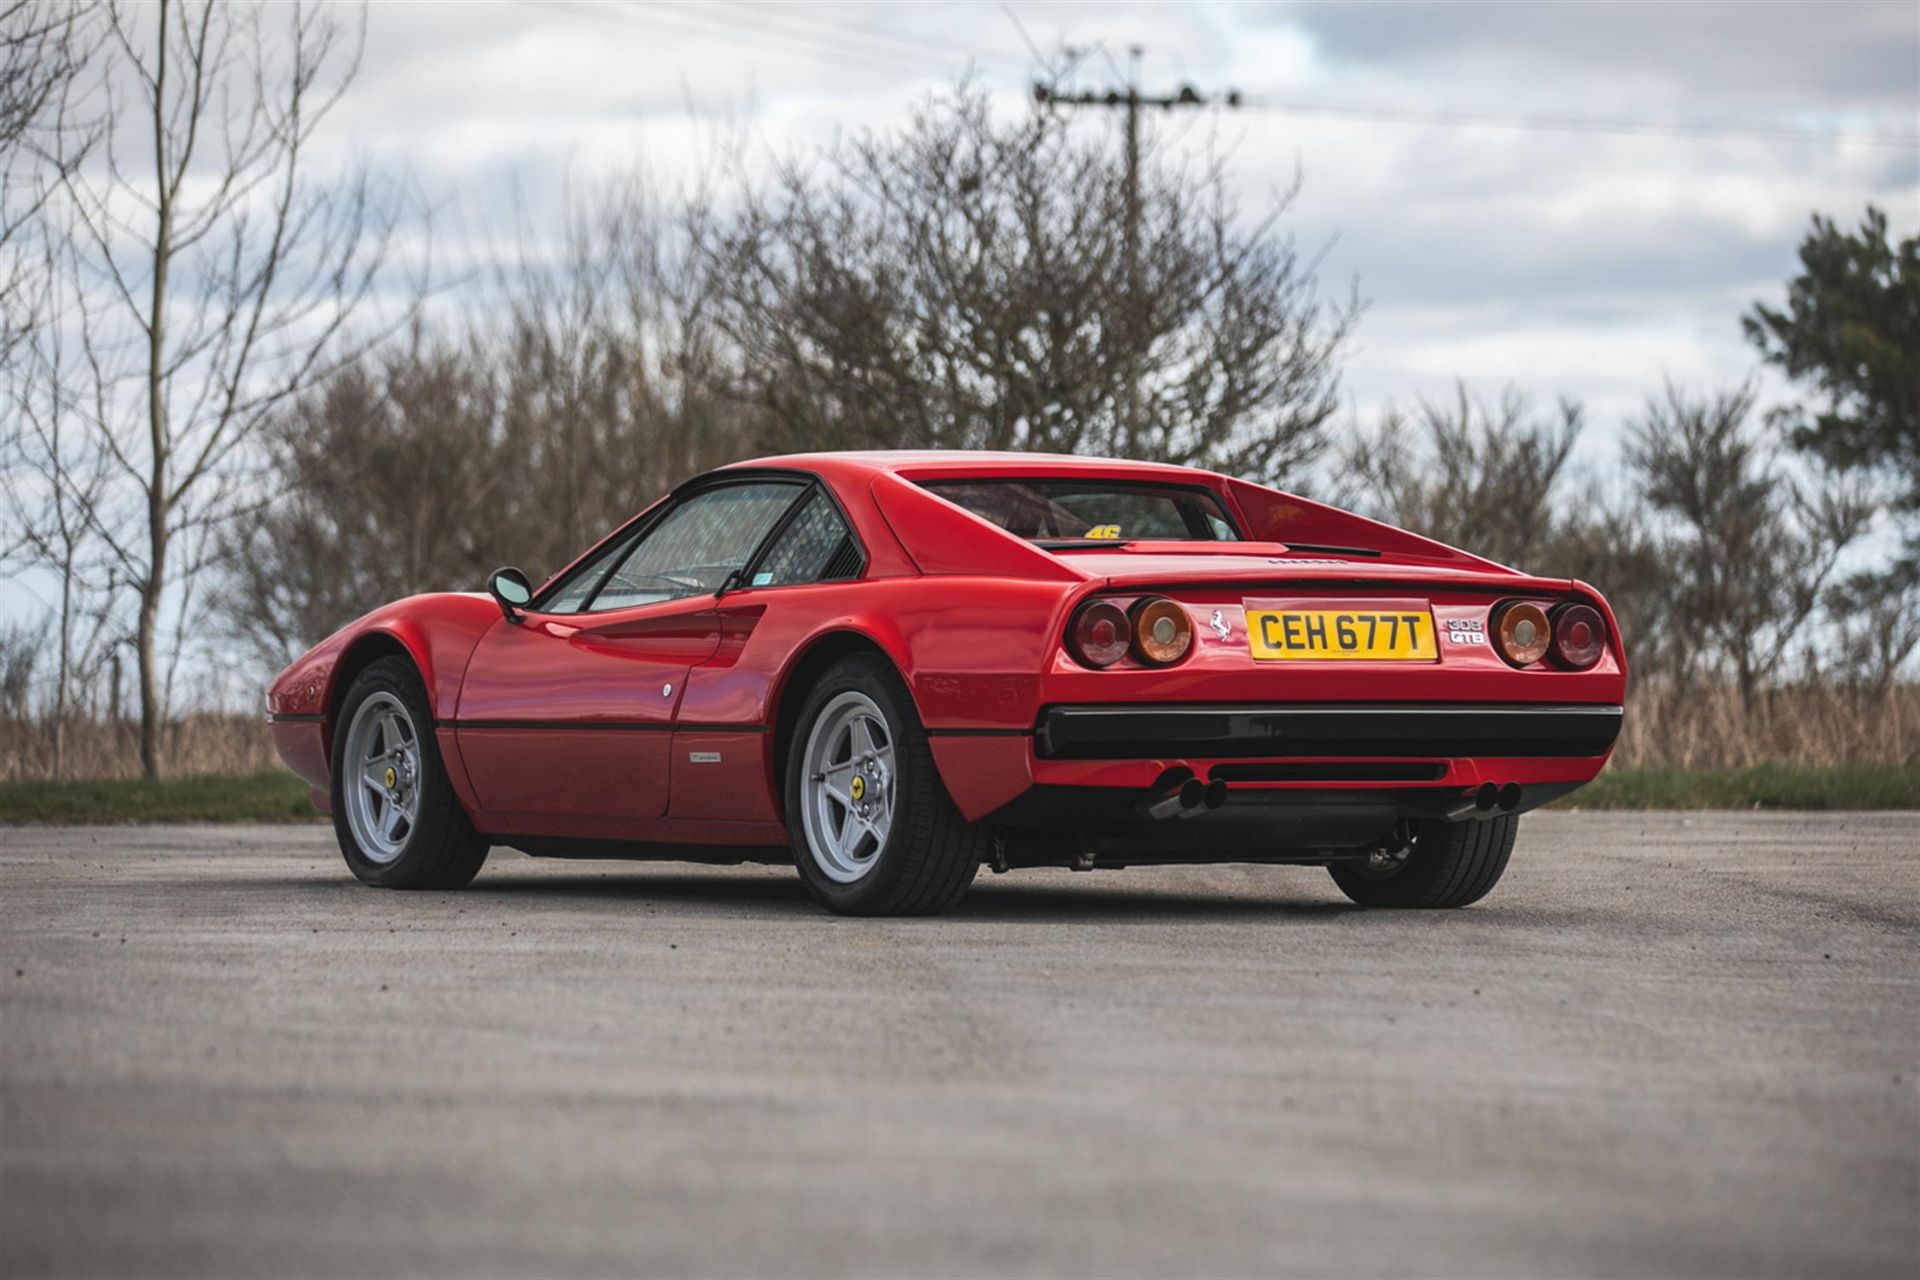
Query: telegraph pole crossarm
[1130, 98]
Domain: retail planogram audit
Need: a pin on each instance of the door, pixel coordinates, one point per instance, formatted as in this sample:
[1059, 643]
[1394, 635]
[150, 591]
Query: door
[566, 713]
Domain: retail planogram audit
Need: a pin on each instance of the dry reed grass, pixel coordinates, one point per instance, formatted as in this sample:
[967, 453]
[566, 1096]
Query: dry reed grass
[199, 744]
[1802, 724]
[1692, 728]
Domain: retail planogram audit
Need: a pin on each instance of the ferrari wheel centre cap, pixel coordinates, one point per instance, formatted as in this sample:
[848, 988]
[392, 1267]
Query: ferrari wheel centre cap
[393, 779]
[859, 787]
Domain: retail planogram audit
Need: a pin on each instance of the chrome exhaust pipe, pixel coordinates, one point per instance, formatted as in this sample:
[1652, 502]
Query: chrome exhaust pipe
[1510, 797]
[1177, 792]
[1474, 805]
[1192, 792]
[1216, 794]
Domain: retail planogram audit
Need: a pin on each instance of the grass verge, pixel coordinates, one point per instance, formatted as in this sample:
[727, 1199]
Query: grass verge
[276, 796]
[272, 796]
[1761, 786]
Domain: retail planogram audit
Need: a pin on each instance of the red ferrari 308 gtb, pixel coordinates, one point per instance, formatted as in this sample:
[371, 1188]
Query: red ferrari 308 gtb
[895, 667]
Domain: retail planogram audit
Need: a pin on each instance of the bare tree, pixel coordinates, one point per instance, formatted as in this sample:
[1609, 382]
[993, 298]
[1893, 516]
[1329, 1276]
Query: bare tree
[1489, 477]
[227, 279]
[54, 477]
[960, 284]
[20, 648]
[609, 354]
[585, 390]
[44, 47]
[1752, 549]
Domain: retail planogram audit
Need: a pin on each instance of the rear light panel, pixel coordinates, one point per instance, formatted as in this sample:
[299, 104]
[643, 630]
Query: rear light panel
[1153, 631]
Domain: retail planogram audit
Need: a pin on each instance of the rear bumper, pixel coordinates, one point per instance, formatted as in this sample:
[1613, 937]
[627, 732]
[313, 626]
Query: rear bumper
[1434, 731]
[1294, 777]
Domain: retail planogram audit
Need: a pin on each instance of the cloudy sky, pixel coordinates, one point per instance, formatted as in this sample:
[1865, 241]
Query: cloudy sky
[1590, 263]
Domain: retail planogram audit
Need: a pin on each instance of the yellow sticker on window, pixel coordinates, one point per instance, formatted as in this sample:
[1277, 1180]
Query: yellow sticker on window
[1105, 532]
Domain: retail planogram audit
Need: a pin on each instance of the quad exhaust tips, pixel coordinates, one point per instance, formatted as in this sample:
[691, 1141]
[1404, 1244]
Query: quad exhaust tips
[1177, 793]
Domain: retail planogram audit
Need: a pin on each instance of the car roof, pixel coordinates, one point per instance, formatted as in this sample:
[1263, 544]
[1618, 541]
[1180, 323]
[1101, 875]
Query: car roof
[955, 463]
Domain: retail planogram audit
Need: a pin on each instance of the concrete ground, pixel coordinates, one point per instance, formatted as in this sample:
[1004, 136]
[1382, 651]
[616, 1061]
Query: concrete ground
[1668, 1044]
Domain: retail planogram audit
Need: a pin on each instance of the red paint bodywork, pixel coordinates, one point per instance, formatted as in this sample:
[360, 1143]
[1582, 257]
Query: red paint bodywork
[544, 723]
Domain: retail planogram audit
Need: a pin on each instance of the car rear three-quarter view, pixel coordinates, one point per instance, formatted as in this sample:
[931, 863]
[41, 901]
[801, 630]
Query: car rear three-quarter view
[896, 668]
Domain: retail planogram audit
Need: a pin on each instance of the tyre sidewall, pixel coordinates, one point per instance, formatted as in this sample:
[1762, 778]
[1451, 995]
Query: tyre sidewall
[1452, 865]
[876, 680]
[394, 675]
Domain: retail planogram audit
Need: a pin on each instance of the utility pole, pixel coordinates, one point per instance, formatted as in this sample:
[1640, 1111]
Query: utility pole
[1046, 94]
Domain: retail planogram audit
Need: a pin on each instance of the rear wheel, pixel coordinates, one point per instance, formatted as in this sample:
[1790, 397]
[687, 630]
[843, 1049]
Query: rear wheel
[1447, 864]
[394, 812]
[874, 832]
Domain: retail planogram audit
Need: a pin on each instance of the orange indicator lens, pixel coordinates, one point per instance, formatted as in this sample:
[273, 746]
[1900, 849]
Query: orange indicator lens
[1162, 632]
[1522, 633]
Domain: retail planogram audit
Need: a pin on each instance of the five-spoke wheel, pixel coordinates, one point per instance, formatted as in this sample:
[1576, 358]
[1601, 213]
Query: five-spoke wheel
[848, 788]
[383, 749]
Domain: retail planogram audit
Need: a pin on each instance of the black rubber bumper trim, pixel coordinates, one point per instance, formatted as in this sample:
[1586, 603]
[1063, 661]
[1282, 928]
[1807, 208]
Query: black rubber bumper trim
[1432, 731]
[276, 717]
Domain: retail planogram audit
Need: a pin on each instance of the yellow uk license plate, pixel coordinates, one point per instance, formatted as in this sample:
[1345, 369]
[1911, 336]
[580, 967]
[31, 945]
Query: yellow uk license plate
[1321, 635]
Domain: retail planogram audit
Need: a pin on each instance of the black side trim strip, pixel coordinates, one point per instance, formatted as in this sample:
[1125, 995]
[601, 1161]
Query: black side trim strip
[979, 733]
[606, 726]
[277, 717]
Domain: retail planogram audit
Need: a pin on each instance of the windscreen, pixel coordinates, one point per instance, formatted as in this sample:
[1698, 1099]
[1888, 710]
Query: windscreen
[1092, 510]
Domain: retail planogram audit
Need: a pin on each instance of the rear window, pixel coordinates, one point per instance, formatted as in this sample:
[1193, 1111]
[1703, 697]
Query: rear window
[1092, 510]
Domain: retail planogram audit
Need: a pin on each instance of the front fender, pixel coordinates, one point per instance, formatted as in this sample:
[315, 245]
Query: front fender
[438, 632]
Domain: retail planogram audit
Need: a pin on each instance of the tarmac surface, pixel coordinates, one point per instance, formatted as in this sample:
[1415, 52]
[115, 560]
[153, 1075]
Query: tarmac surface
[1668, 1044]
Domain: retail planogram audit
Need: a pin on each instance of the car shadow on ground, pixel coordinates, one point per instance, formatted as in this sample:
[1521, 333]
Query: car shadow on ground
[988, 901]
[1100, 897]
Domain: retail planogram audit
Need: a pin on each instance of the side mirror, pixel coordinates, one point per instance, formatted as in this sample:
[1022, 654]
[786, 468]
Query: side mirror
[510, 590]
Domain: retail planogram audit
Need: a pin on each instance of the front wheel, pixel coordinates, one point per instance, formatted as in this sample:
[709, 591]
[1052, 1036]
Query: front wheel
[1447, 864]
[874, 832]
[395, 815]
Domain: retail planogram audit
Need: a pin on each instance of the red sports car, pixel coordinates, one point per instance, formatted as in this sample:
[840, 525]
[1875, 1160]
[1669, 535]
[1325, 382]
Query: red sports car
[894, 668]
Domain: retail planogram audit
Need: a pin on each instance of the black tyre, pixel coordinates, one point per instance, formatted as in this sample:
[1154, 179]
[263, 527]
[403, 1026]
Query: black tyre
[398, 822]
[1449, 864]
[874, 831]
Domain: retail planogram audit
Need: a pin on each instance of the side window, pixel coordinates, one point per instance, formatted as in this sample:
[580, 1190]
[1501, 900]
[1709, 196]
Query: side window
[695, 547]
[814, 547]
[573, 595]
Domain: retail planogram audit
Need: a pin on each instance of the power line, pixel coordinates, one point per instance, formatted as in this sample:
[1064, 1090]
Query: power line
[1575, 124]
[692, 24]
[844, 45]
[922, 44]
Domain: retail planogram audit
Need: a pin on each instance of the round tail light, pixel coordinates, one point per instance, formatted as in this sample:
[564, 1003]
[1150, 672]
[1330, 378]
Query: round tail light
[1099, 634]
[1522, 633]
[1162, 631]
[1579, 636]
